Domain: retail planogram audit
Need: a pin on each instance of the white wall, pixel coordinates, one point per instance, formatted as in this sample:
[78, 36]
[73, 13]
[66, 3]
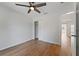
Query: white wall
[49, 29]
[50, 23]
[14, 27]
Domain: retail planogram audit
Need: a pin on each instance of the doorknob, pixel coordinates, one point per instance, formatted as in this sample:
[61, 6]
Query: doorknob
[75, 35]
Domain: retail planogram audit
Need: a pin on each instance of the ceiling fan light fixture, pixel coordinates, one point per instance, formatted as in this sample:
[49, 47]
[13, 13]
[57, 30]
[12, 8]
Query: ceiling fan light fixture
[32, 8]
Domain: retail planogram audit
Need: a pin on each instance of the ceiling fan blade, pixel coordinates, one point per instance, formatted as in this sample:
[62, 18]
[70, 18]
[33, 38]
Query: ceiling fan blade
[29, 10]
[30, 3]
[22, 5]
[40, 5]
[37, 10]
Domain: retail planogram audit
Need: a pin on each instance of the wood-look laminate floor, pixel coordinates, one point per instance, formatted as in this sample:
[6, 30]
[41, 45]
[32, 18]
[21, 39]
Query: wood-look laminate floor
[32, 48]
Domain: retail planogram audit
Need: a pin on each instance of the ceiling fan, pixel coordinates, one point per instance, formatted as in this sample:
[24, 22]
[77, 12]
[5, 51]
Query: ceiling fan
[33, 6]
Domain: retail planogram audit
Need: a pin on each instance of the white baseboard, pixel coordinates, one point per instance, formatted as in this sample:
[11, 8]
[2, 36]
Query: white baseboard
[13, 45]
[51, 42]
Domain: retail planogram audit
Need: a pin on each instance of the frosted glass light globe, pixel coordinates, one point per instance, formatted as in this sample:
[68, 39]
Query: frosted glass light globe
[31, 8]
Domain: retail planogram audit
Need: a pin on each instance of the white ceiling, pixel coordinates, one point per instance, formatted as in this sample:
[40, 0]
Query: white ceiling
[50, 8]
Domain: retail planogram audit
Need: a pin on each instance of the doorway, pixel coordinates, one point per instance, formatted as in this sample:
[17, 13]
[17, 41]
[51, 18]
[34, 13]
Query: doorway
[36, 30]
[68, 34]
